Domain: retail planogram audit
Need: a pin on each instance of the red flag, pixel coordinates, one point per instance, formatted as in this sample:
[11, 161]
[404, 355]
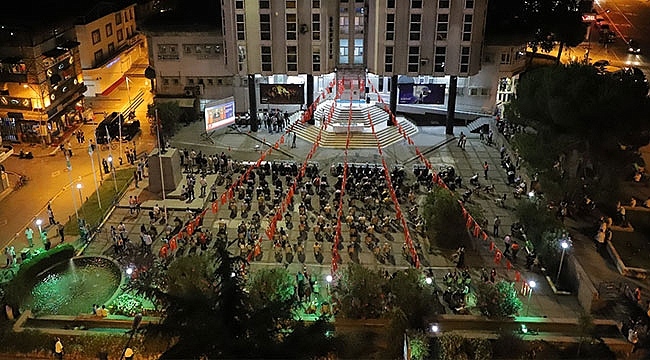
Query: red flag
[491, 246]
[190, 228]
[497, 257]
[517, 276]
[484, 235]
[477, 230]
[469, 222]
[215, 207]
[508, 265]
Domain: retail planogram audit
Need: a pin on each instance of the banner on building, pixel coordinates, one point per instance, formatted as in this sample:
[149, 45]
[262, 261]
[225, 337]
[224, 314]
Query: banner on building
[282, 94]
[421, 93]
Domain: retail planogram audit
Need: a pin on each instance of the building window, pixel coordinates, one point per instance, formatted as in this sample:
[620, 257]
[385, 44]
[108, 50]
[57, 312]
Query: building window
[120, 35]
[111, 48]
[388, 60]
[469, 4]
[390, 4]
[390, 27]
[265, 4]
[97, 37]
[416, 4]
[168, 52]
[467, 27]
[292, 58]
[241, 29]
[118, 18]
[315, 4]
[99, 56]
[291, 4]
[128, 32]
[175, 81]
[109, 30]
[210, 82]
[505, 58]
[131, 13]
[416, 26]
[464, 59]
[439, 59]
[414, 59]
[267, 61]
[443, 4]
[344, 51]
[187, 49]
[165, 81]
[190, 81]
[265, 27]
[442, 27]
[292, 27]
[315, 27]
[239, 4]
[315, 59]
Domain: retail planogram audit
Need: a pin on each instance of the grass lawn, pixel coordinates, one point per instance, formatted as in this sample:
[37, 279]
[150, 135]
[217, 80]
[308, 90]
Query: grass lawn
[633, 248]
[91, 209]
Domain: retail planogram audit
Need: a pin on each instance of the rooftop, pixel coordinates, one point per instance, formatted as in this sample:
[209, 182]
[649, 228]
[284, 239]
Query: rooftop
[192, 15]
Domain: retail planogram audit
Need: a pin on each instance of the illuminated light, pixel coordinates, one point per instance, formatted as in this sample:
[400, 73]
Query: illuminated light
[129, 270]
[435, 328]
[531, 194]
[110, 158]
[524, 329]
[428, 280]
[39, 222]
[532, 284]
[328, 278]
[232, 274]
[79, 186]
[25, 86]
[565, 245]
[112, 62]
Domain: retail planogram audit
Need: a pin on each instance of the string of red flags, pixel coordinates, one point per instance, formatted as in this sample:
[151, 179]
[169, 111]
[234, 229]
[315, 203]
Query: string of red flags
[398, 212]
[471, 224]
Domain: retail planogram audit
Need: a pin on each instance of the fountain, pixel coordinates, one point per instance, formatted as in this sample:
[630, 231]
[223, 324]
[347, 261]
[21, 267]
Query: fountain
[72, 287]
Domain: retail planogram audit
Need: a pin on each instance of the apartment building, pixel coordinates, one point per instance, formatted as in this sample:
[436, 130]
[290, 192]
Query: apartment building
[41, 83]
[110, 44]
[187, 54]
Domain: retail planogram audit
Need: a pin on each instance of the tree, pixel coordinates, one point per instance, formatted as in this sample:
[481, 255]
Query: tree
[444, 219]
[360, 292]
[498, 301]
[419, 344]
[169, 114]
[408, 292]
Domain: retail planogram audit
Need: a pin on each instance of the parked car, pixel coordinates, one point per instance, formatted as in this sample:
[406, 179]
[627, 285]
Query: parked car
[633, 47]
[129, 128]
[601, 63]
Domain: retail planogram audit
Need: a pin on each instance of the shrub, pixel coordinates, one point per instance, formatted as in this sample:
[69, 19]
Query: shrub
[127, 305]
[444, 219]
[498, 301]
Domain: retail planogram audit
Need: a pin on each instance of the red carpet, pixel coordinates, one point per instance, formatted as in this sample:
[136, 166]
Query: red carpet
[114, 86]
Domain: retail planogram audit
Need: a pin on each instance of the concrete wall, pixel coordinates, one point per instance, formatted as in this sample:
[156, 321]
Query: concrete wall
[581, 283]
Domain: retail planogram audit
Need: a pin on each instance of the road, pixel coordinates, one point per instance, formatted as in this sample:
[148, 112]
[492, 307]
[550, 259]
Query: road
[630, 19]
[49, 178]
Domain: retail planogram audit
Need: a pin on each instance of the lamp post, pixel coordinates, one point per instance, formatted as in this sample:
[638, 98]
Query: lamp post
[91, 149]
[565, 245]
[328, 279]
[83, 210]
[110, 164]
[161, 151]
[69, 167]
[532, 285]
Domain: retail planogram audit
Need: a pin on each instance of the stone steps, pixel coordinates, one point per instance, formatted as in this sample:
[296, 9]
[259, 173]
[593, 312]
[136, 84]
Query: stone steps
[387, 136]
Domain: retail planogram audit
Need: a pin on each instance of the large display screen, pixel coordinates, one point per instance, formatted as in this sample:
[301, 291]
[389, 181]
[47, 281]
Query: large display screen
[282, 94]
[219, 114]
[421, 93]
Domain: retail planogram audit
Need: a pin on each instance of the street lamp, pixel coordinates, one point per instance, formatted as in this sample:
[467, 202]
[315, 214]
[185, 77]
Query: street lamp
[328, 279]
[565, 245]
[428, 280]
[39, 222]
[91, 149]
[81, 200]
[532, 285]
[110, 164]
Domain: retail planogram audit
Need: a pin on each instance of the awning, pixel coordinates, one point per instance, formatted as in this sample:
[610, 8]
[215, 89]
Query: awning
[182, 102]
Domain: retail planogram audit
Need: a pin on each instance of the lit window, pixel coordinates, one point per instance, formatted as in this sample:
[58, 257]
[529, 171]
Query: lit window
[97, 37]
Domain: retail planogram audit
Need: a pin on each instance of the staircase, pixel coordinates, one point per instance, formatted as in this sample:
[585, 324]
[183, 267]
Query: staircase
[358, 115]
[476, 125]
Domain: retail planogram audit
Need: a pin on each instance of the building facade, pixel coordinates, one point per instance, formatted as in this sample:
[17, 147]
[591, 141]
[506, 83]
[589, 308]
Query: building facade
[286, 41]
[189, 62]
[41, 83]
[110, 44]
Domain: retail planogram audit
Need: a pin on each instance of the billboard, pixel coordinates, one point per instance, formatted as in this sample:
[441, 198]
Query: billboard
[421, 93]
[219, 114]
[282, 94]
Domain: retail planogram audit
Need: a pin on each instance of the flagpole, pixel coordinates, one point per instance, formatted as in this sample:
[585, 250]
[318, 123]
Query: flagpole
[162, 176]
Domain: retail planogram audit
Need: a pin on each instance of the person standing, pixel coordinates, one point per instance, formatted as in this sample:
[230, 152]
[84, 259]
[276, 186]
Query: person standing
[29, 234]
[293, 141]
[493, 275]
[497, 223]
[136, 178]
[8, 256]
[213, 192]
[50, 214]
[204, 186]
[486, 167]
[60, 228]
[58, 349]
[507, 241]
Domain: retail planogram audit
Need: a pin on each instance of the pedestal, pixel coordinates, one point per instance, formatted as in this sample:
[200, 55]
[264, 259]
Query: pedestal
[171, 170]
